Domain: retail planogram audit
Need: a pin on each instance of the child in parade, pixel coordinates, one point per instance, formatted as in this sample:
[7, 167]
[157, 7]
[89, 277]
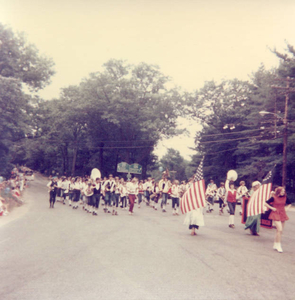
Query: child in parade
[123, 193]
[279, 204]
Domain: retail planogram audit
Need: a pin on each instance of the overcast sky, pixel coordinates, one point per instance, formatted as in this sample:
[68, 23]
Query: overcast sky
[191, 41]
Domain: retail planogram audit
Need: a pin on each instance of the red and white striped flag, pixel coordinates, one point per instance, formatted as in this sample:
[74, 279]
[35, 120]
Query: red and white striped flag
[258, 198]
[194, 197]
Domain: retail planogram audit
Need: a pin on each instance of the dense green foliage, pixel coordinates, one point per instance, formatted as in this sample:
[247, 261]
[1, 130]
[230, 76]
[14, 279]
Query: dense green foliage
[112, 116]
[20, 64]
[235, 135]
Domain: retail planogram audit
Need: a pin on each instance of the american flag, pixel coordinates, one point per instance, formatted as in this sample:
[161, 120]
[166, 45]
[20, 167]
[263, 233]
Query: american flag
[194, 197]
[258, 198]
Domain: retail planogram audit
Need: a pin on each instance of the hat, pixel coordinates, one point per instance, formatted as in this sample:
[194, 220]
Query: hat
[256, 183]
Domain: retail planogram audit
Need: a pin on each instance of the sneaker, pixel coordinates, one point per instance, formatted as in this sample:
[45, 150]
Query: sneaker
[279, 248]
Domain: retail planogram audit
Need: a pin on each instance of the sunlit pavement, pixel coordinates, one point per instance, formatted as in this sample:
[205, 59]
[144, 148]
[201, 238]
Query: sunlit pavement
[63, 253]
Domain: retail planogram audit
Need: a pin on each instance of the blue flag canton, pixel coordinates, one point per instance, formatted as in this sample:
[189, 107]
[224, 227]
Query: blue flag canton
[199, 174]
[268, 178]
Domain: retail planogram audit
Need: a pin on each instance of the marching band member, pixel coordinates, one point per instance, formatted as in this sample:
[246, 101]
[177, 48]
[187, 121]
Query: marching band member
[116, 196]
[210, 194]
[164, 186]
[231, 199]
[88, 192]
[175, 189]
[242, 191]
[280, 204]
[132, 189]
[123, 193]
[52, 185]
[155, 195]
[77, 191]
[96, 195]
[109, 189]
[221, 197]
[141, 192]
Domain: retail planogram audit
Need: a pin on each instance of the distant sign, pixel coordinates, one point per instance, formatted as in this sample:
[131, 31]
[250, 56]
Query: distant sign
[135, 169]
[123, 167]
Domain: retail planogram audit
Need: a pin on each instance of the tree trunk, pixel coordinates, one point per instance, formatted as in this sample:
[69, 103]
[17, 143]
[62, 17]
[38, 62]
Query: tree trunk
[74, 158]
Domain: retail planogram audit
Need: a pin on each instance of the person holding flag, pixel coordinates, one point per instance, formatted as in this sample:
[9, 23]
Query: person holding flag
[257, 201]
[193, 201]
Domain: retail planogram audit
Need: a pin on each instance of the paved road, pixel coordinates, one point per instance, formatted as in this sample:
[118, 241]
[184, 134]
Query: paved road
[63, 253]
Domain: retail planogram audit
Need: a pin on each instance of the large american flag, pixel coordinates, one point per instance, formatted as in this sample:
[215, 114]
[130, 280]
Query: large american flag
[194, 197]
[258, 198]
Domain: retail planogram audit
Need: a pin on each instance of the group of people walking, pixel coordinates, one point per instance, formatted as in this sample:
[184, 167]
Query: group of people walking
[228, 196]
[115, 192]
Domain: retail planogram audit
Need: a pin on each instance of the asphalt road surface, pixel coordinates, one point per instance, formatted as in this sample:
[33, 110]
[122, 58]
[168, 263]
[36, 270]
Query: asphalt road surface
[63, 253]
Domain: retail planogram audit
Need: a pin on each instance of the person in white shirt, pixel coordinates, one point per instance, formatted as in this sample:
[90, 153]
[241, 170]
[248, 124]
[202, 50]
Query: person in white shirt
[221, 197]
[242, 192]
[210, 195]
[164, 186]
[123, 194]
[175, 189]
[109, 186]
[132, 190]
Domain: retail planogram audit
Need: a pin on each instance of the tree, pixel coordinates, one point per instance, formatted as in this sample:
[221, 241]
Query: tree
[175, 163]
[19, 63]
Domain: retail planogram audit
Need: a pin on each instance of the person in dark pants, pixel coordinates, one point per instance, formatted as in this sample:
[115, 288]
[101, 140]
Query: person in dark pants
[52, 185]
[96, 195]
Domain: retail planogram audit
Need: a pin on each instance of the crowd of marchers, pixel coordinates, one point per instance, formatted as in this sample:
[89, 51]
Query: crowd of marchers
[114, 192]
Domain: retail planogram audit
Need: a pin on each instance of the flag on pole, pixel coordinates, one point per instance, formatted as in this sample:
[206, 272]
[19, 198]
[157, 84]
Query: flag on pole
[194, 197]
[258, 198]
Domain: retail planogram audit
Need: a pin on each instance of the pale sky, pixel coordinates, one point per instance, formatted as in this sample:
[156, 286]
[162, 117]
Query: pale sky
[191, 41]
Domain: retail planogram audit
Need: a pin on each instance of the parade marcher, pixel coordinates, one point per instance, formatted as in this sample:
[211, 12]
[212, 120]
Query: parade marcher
[71, 190]
[210, 195]
[194, 219]
[59, 189]
[96, 195]
[175, 191]
[116, 196]
[141, 192]
[242, 192]
[253, 222]
[147, 186]
[109, 189]
[279, 204]
[52, 185]
[164, 186]
[88, 193]
[123, 194]
[77, 192]
[155, 195]
[65, 189]
[231, 199]
[221, 197]
[132, 190]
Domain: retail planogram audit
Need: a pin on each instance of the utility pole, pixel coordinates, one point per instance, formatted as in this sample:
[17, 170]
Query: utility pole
[285, 91]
